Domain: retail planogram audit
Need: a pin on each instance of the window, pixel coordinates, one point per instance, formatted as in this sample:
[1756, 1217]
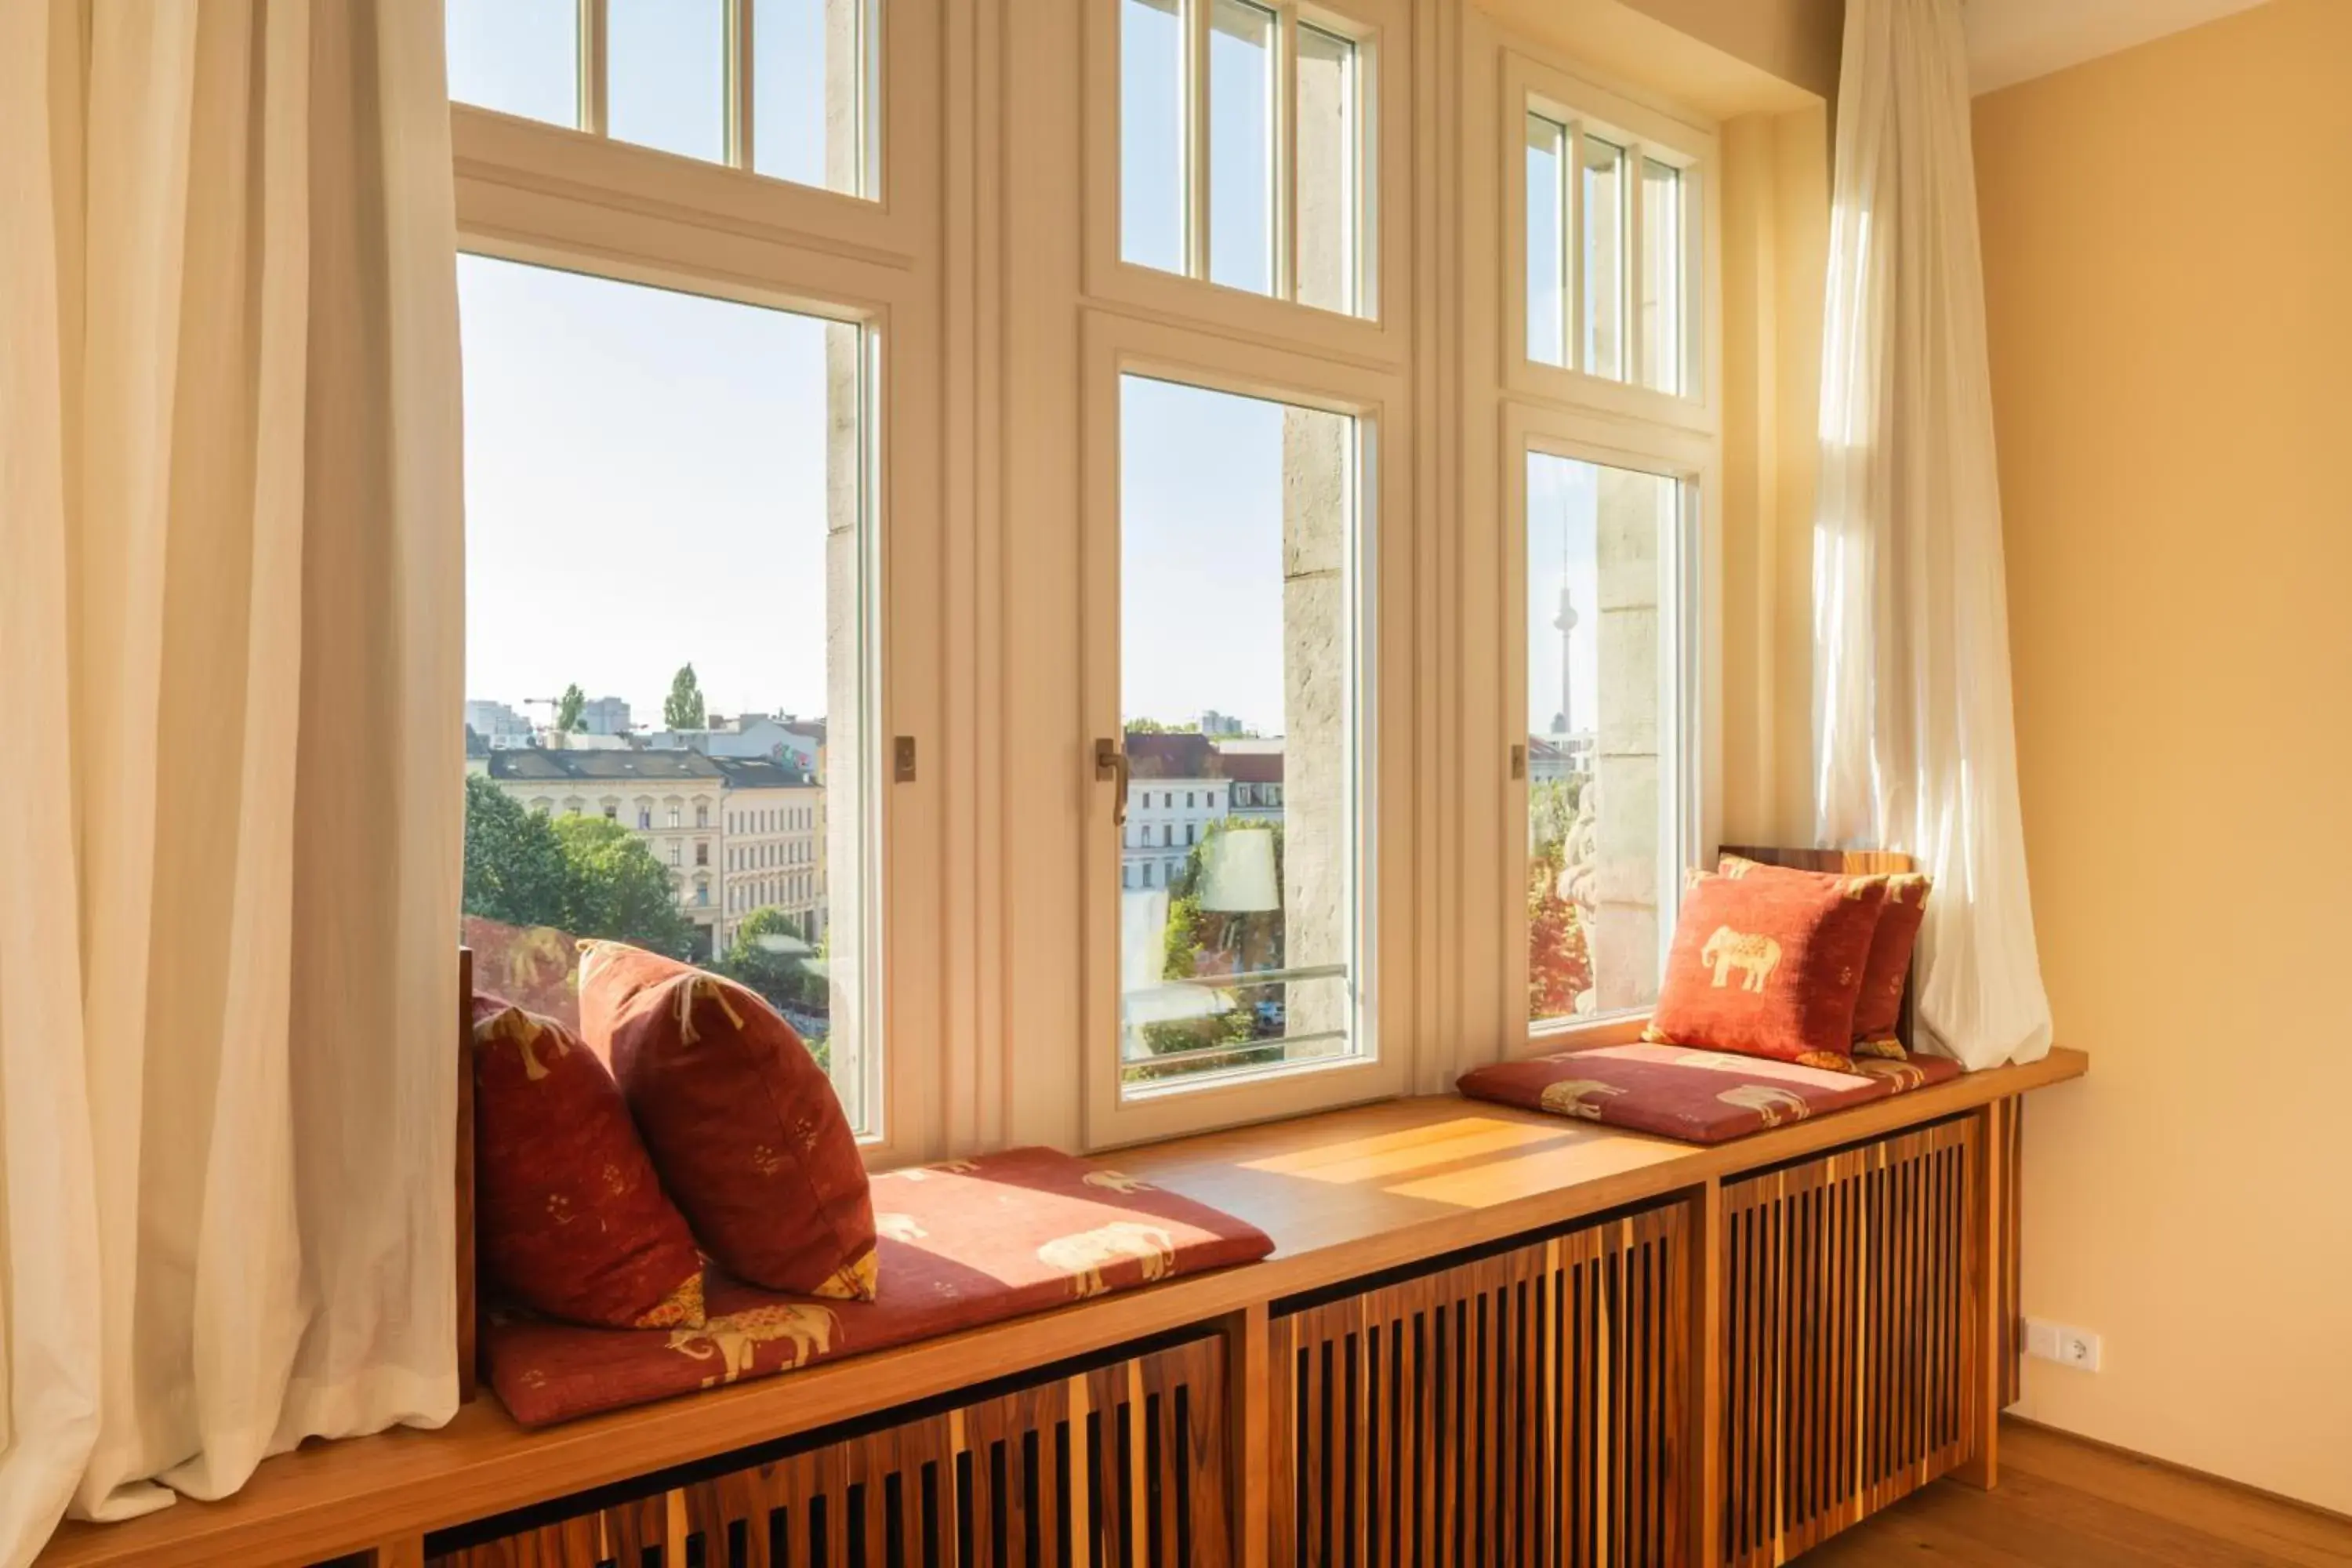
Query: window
[612, 814]
[1242, 955]
[1608, 219]
[1604, 761]
[789, 89]
[589, 403]
[1216, 180]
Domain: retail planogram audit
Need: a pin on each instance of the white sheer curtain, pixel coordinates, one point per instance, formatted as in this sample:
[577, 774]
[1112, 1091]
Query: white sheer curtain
[230, 650]
[1914, 739]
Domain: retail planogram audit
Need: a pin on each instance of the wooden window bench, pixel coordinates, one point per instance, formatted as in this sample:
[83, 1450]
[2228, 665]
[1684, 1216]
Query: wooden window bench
[1589, 1345]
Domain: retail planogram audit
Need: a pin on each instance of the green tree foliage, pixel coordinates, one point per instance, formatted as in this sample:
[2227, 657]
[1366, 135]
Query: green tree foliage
[617, 890]
[515, 870]
[1154, 727]
[567, 710]
[771, 954]
[682, 709]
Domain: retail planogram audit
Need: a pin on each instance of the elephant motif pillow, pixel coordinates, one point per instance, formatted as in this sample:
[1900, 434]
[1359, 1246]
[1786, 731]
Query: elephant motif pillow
[567, 1213]
[742, 1124]
[1878, 1009]
[1769, 966]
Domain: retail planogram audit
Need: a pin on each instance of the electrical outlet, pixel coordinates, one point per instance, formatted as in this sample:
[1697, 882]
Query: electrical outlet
[2076, 1348]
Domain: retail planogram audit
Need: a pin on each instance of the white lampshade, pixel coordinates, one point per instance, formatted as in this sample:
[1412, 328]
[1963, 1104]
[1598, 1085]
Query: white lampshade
[1237, 873]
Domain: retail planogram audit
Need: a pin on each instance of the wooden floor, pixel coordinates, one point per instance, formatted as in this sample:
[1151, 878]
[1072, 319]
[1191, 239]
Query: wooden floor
[2070, 1505]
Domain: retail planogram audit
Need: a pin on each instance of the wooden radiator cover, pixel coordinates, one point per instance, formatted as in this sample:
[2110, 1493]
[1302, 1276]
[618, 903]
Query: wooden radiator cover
[1116, 1466]
[1518, 1409]
[1847, 1350]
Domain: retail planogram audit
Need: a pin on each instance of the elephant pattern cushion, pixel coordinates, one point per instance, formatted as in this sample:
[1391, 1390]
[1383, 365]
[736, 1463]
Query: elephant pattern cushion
[1878, 1005]
[569, 1216]
[743, 1122]
[1695, 1096]
[963, 1243]
[1768, 966]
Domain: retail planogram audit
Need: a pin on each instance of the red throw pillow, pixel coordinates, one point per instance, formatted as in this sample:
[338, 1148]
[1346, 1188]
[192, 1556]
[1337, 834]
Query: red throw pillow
[1769, 966]
[569, 1217]
[1878, 1009]
[743, 1122]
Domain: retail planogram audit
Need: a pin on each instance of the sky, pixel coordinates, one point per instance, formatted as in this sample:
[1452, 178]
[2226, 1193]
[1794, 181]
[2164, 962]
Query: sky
[645, 479]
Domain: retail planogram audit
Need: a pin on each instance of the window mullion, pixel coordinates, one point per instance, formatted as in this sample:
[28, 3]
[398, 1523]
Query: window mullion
[1631, 270]
[1573, 250]
[739, 83]
[1284, 176]
[1196, 137]
[593, 67]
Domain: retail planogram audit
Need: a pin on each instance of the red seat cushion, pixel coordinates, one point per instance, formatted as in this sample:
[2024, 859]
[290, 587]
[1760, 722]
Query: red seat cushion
[965, 1243]
[1878, 1005]
[569, 1216]
[1696, 1096]
[1768, 966]
[742, 1124]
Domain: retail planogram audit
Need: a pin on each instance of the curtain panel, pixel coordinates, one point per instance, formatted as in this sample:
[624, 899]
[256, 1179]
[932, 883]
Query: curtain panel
[230, 628]
[1915, 742]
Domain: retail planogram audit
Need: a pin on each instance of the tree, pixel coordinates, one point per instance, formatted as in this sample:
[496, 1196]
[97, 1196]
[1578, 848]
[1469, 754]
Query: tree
[1154, 727]
[567, 710]
[682, 709]
[515, 869]
[770, 954]
[615, 890]
[1559, 959]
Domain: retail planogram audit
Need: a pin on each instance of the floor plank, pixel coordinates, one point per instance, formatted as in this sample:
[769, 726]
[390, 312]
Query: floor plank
[2064, 1503]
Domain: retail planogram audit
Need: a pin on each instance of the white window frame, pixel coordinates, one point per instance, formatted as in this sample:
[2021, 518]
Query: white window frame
[541, 194]
[1531, 87]
[1689, 651]
[1115, 345]
[1381, 332]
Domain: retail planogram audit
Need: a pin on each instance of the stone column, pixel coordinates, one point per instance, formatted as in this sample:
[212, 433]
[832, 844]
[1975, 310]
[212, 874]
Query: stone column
[1624, 936]
[1316, 484]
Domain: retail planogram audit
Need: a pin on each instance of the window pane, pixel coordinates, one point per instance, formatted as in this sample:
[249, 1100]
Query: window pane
[812, 67]
[667, 81]
[1603, 252]
[1661, 276]
[1546, 241]
[1328, 181]
[1602, 836]
[1152, 203]
[620, 439]
[519, 57]
[1241, 145]
[1238, 925]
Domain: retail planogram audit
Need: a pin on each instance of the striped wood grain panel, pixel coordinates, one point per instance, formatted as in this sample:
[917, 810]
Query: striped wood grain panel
[1520, 1410]
[2012, 1223]
[1847, 1352]
[1120, 1466]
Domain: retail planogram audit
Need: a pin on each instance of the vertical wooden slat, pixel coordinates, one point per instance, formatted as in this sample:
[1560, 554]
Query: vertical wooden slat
[1987, 1300]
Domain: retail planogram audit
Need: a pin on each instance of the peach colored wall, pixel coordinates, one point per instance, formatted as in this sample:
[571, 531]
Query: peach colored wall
[2168, 262]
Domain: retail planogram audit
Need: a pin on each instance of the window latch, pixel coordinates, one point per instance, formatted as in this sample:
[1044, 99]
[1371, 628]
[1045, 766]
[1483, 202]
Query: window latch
[1520, 762]
[1110, 763]
[902, 760]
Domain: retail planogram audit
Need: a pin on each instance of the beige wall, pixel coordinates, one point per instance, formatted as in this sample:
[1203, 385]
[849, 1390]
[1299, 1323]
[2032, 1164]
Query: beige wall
[2168, 262]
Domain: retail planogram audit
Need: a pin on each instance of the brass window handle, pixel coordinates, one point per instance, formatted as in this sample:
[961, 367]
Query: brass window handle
[1110, 763]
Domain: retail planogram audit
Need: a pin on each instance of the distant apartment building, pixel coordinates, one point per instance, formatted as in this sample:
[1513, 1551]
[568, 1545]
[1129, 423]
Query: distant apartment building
[1177, 787]
[670, 799]
[795, 742]
[1254, 779]
[772, 824]
[604, 716]
[499, 725]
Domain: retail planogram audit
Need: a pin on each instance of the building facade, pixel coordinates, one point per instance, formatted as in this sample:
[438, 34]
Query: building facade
[672, 800]
[1177, 787]
[772, 824]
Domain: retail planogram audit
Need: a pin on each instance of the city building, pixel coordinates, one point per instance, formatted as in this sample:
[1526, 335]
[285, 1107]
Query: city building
[1254, 773]
[670, 799]
[497, 724]
[778, 739]
[772, 826]
[1177, 787]
[604, 716]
